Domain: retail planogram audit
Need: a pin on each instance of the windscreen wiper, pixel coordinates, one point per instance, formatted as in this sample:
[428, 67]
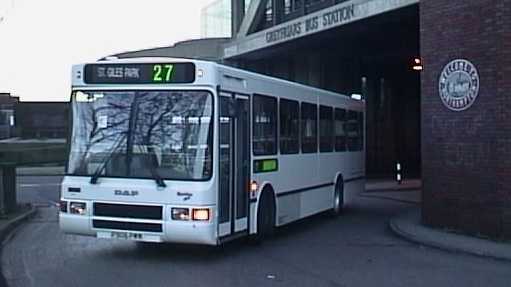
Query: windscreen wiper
[156, 176]
[97, 173]
[153, 168]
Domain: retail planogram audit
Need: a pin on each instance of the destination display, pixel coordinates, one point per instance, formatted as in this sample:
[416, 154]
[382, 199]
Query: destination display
[147, 73]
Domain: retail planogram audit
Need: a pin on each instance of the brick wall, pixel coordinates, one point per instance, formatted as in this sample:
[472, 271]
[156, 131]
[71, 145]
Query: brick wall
[466, 156]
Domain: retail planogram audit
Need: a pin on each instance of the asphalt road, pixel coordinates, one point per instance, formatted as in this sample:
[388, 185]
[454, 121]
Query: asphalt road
[356, 249]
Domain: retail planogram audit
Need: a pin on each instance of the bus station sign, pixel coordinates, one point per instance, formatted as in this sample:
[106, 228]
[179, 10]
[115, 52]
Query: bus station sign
[328, 18]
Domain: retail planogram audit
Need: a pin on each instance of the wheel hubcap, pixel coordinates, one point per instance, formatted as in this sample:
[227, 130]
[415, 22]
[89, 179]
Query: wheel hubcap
[337, 202]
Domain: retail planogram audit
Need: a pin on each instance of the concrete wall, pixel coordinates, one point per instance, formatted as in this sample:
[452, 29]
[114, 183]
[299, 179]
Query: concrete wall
[467, 154]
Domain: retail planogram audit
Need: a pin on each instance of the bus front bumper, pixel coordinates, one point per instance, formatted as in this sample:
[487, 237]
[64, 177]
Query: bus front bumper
[164, 230]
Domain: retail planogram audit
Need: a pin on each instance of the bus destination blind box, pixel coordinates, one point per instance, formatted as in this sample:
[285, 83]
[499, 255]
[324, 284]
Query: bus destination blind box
[144, 73]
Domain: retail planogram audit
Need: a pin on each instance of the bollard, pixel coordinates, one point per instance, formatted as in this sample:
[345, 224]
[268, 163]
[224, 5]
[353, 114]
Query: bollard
[398, 173]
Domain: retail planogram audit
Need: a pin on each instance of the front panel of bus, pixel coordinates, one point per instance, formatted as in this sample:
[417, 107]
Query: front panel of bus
[141, 153]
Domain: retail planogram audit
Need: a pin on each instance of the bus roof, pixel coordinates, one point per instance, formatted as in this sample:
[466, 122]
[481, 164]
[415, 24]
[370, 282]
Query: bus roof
[225, 68]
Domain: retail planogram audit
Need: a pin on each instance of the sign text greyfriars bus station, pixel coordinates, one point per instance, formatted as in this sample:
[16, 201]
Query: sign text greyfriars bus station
[312, 24]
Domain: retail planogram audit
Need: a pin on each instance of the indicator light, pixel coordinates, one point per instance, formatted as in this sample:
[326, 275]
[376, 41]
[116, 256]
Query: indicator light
[253, 186]
[200, 214]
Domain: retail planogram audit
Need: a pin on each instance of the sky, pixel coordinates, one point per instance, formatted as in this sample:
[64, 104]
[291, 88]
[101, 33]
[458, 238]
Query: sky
[41, 40]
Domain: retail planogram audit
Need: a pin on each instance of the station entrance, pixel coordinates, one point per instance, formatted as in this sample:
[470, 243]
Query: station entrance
[374, 58]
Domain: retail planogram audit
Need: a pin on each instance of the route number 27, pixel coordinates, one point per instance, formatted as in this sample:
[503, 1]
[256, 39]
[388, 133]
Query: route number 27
[162, 73]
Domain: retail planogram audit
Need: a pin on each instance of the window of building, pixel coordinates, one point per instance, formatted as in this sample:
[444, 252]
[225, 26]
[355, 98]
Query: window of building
[289, 126]
[269, 11]
[309, 128]
[292, 5]
[264, 125]
[340, 132]
[326, 133]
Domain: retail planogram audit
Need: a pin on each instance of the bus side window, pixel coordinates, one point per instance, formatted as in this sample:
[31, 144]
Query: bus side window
[309, 127]
[340, 132]
[326, 123]
[264, 125]
[289, 127]
[353, 130]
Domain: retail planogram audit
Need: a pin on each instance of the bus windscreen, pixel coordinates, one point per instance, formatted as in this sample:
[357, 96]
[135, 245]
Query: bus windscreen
[141, 134]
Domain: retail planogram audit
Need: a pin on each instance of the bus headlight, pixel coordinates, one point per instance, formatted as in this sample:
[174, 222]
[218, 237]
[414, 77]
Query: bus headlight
[200, 214]
[180, 214]
[79, 208]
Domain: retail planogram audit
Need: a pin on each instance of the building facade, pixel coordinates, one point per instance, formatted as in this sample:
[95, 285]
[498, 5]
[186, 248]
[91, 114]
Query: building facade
[216, 19]
[466, 115]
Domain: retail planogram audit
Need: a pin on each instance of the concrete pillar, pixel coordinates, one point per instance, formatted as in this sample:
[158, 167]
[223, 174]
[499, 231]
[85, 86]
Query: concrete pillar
[466, 154]
[237, 14]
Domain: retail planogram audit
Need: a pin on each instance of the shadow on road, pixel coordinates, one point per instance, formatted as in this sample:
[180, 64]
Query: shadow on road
[194, 253]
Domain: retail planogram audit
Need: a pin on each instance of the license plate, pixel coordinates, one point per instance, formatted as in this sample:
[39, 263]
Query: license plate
[126, 235]
[123, 235]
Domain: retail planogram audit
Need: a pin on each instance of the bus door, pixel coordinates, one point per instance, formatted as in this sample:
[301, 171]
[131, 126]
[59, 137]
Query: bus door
[234, 161]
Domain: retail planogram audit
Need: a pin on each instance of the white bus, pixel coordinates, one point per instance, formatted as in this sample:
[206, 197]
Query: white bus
[178, 150]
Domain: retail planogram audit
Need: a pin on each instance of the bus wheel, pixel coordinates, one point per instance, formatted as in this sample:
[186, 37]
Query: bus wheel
[265, 217]
[338, 198]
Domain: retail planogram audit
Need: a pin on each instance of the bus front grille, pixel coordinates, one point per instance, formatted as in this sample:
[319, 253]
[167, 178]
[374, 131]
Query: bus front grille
[128, 211]
[134, 226]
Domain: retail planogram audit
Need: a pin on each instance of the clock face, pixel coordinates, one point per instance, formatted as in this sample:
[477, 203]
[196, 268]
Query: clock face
[458, 85]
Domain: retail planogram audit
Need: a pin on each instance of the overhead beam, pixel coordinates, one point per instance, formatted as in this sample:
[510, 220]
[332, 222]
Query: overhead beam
[237, 15]
[254, 14]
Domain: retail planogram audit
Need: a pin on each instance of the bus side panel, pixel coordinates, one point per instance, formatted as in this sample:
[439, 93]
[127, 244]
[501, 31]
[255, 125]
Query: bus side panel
[295, 172]
[316, 200]
[355, 179]
[331, 163]
[289, 207]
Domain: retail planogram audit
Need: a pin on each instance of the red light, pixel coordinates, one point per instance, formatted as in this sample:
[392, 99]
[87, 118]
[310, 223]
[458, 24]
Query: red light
[417, 64]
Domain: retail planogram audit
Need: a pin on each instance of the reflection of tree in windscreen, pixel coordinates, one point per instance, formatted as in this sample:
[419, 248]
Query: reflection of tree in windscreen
[100, 139]
[164, 122]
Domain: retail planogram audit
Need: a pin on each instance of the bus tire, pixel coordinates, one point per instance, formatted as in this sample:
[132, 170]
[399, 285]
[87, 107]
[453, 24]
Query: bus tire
[338, 198]
[265, 217]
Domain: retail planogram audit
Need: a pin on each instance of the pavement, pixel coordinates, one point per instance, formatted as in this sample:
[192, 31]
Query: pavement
[408, 191]
[408, 225]
[385, 184]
